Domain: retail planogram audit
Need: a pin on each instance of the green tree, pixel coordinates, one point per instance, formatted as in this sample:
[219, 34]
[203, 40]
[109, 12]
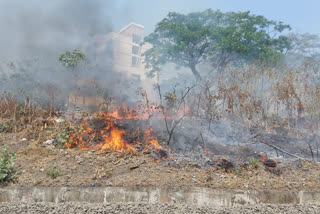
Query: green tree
[72, 60]
[181, 39]
[216, 37]
[245, 38]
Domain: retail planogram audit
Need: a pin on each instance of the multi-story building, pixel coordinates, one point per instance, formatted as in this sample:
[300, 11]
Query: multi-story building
[126, 51]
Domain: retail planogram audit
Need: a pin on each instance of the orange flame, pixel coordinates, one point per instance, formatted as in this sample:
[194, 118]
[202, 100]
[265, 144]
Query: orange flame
[112, 136]
[150, 139]
[106, 135]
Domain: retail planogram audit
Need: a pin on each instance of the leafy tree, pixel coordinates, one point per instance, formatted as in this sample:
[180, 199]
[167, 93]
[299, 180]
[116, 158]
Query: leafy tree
[214, 36]
[72, 60]
[181, 39]
[245, 38]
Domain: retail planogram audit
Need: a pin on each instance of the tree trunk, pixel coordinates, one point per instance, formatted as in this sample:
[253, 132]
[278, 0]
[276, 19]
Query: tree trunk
[195, 72]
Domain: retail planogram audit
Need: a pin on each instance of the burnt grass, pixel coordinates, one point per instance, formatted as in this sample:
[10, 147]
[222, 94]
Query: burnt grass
[86, 167]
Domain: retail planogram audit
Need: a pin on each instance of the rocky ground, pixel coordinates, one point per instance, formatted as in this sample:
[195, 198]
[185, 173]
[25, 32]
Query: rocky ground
[37, 163]
[51, 208]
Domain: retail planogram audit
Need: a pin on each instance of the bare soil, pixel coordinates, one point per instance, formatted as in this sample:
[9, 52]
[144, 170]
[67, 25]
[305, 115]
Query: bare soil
[78, 167]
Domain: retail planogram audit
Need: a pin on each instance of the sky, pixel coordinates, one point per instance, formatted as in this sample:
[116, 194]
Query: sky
[303, 16]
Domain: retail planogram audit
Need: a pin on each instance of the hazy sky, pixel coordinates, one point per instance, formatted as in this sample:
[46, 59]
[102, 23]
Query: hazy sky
[303, 16]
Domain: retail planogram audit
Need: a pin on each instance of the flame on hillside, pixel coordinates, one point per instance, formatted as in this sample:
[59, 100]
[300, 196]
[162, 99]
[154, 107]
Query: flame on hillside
[102, 132]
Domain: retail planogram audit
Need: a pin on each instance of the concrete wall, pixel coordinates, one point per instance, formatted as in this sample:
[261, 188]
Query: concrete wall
[197, 196]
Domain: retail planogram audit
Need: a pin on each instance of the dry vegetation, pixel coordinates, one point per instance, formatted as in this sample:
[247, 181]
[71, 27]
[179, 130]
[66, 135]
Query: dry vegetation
[281, 107]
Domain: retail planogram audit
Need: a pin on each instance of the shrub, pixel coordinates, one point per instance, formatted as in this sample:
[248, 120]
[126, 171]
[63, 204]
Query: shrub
[66, 131]
[7, 173]
[53, 172]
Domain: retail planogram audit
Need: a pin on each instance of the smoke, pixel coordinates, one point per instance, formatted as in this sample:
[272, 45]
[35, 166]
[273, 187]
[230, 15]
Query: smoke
[33, 35]
[35, 28]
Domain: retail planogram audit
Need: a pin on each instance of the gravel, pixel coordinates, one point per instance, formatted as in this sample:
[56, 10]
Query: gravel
[151, 208]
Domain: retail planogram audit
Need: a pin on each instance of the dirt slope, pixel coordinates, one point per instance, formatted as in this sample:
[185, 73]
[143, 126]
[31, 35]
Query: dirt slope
[77, 167]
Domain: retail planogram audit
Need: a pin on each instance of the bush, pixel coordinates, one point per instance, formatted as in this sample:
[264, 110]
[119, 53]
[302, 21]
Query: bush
[53, 172]
[66, 130]
[7, 173]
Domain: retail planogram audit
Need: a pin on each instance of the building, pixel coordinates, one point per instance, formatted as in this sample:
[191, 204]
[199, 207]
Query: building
[123, 53]
[126, 52]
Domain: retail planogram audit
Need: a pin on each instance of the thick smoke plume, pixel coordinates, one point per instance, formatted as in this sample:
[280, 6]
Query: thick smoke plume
[33, 35]
[36, 27]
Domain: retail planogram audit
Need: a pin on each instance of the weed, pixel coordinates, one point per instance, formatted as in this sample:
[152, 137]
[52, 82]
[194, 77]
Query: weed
[2, 127]
[5, 127]
[7, 173]
[238, 171]
[53, 172]
[108, 174]
[66, 131]
[254, 162]
[27, 149]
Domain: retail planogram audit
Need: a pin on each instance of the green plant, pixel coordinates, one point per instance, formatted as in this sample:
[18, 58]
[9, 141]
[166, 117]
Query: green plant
[27, 149]
[2, 127]
[108, 174]
[72, 59]
[187, 40]
[254, 162]
[66, 131]
[238, 171]
[171, 99]
[81, 111]
[5, 127]
[7, 161]
[53, 172]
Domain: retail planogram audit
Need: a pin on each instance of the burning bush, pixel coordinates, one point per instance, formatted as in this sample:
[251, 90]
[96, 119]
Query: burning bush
[120, 130]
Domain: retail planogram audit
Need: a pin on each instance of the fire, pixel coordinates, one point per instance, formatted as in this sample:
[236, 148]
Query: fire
[114, 140]
[126, 113]
[150, 139]
[111, 136]
[103, 133]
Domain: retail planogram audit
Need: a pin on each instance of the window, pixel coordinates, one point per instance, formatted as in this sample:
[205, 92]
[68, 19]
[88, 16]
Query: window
[136, 77]
[136, 39]
[135, 49]
[134, 61]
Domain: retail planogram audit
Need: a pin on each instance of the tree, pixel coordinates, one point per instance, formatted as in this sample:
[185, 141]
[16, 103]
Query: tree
[181, 39]
[72, 60]
[245, 38]
[215, 37]
[305, 45]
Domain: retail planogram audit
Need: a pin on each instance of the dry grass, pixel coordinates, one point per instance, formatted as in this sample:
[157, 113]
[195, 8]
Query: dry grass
[23, 119]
